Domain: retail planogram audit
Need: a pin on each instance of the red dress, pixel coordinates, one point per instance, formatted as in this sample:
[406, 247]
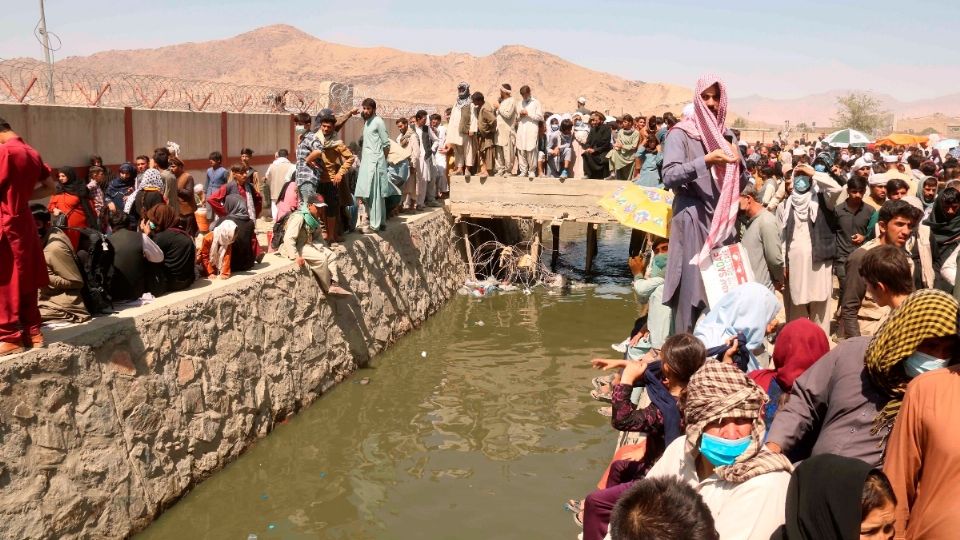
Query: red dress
[23, 270]
[69, 204]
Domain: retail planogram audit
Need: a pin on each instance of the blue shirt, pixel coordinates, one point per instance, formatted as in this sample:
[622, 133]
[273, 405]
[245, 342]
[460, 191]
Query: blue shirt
[215, 179]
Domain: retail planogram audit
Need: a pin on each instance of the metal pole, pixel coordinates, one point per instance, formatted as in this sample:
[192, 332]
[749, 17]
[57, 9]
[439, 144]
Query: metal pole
[51, 95]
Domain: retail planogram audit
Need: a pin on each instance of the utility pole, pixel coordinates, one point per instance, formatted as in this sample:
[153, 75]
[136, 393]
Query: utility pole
[51, 95]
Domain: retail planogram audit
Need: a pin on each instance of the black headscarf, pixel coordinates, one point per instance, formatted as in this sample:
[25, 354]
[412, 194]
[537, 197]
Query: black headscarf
[74, 185]
[824, 499]
[595, 165]
[943, 230]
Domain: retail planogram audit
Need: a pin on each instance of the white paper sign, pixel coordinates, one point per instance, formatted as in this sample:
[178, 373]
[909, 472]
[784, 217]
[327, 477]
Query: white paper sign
[728, 267]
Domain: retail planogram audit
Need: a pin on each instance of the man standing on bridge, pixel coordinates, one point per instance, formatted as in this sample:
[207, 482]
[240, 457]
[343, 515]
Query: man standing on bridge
[505, 141]
[705, 171]
[23, 270]
[373, 182]
[528, 132]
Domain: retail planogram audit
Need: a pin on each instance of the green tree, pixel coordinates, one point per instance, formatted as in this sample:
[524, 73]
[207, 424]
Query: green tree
[739, 123]
[861, 112]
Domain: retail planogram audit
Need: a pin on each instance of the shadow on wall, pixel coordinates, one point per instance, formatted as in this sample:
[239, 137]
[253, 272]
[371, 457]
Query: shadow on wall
[101, 432]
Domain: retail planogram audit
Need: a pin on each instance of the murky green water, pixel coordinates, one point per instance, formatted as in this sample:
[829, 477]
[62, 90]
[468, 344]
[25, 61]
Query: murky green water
[486, 437]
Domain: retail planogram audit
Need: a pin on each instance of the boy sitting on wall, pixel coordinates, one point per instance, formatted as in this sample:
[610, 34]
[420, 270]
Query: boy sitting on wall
[302, 243]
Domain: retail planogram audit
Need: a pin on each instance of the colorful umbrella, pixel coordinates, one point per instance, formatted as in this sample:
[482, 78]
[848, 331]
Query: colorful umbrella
[901, 139]
[846, 138]
[643, 208]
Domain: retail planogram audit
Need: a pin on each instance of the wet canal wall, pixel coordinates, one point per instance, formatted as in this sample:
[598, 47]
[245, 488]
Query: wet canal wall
[116, 419]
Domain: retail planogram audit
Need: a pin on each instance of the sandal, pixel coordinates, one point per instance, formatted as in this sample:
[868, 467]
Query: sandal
[601, 396]
[601, 381]
[605, 411]
[574, 506]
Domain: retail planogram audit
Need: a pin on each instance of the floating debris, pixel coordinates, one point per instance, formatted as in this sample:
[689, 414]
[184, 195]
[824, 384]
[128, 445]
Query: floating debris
[365, 380]
[423, 354]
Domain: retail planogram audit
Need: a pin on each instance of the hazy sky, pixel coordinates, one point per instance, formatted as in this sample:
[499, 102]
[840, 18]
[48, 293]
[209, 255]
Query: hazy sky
[906, 49]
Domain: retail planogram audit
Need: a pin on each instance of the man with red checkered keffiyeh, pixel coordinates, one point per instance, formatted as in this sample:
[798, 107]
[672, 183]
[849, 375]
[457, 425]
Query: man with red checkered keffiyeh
[705, 171]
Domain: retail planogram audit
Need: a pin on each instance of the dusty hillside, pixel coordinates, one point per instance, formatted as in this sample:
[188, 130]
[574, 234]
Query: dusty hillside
[275, 55]
[821, 108]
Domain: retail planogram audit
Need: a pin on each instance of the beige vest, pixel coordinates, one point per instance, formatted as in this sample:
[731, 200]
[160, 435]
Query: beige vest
[277, 175]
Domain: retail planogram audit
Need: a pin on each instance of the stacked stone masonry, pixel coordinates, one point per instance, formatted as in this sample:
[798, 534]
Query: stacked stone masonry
[101, 432]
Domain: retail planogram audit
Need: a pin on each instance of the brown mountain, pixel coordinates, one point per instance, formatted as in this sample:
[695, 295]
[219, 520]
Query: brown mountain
[282, 55]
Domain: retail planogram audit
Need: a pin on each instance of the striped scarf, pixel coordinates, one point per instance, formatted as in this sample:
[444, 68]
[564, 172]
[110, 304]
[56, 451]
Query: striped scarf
[717, 391]
[709, 128]
[927, 313]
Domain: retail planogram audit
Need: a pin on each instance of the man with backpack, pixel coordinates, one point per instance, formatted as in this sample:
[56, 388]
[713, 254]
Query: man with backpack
[61, 299]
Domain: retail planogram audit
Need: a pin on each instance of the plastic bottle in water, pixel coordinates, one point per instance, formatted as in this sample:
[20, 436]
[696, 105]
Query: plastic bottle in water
[251, 536]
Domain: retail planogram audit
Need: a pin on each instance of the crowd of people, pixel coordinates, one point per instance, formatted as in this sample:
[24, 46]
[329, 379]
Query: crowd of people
[514, 135]
[748, 417]
[751, 418]
[150, 228]
[107, 242]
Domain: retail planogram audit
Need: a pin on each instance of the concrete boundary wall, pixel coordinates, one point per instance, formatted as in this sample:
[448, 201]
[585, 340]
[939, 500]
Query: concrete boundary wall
[67, 135]
[118, 418]
[70, 135]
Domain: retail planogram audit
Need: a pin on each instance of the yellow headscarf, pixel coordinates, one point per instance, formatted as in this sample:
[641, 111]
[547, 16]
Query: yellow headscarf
[927, 313]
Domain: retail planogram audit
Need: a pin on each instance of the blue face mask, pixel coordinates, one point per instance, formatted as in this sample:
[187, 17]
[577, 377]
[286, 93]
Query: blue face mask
[721, 452]
[801, 183]
[660, 261]
[919, 363]
[819, 167]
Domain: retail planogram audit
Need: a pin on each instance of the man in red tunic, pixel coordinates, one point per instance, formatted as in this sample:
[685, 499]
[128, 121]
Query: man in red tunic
[23, 270]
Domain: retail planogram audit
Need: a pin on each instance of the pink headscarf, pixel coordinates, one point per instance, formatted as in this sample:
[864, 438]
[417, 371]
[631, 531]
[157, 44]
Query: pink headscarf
[709, 128]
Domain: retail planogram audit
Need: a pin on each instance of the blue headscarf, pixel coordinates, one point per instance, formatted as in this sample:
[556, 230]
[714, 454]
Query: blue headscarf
[130, 169]
[662, 400]
[747, 310]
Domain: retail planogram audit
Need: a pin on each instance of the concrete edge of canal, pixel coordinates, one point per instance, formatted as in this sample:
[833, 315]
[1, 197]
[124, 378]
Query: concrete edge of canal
[119, 418]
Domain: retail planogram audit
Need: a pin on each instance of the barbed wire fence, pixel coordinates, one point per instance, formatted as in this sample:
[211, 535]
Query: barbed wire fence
[29, 82]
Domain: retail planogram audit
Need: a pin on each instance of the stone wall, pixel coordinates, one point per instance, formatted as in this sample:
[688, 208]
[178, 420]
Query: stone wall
[103, 429]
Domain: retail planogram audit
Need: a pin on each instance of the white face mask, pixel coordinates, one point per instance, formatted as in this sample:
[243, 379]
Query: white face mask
[919, 363]
[299, 129]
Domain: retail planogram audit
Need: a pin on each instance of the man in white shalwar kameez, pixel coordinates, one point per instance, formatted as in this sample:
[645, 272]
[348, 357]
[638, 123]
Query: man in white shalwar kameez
[528, 131]
[422, 162]
[506, 138]
[408, 141]
[439, 154]
[458, 129]
[809, 267]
